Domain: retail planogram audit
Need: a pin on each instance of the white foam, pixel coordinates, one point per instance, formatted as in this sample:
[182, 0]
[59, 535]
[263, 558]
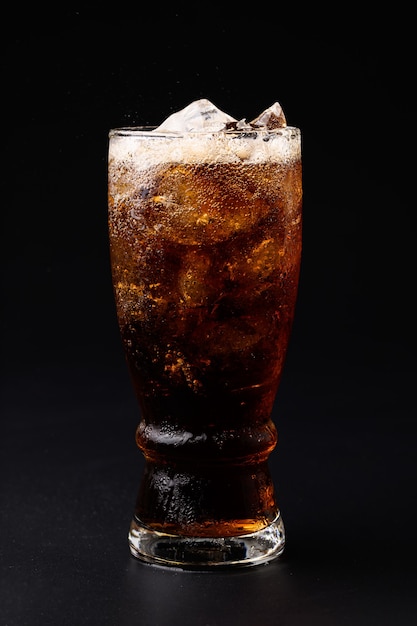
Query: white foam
[144, 149]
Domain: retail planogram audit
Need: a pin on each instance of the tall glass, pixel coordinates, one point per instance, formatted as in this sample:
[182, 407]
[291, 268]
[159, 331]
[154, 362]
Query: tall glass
[205, 239]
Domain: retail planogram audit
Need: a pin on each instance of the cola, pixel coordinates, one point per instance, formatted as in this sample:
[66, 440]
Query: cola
[205, 241]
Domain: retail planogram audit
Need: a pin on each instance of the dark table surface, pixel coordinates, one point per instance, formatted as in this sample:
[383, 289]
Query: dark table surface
[344, 469]
[345, 466]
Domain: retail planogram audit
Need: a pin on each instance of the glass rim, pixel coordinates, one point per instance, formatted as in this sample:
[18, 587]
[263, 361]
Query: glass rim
[150, 131]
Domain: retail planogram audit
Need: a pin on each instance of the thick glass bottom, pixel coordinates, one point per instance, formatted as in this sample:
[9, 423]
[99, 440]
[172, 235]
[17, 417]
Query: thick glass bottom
[207, 552]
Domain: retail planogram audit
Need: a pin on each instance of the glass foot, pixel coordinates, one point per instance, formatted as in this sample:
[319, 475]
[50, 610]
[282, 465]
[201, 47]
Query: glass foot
[207, 552]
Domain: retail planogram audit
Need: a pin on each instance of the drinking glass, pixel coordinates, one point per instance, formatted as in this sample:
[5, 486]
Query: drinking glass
[205, 242]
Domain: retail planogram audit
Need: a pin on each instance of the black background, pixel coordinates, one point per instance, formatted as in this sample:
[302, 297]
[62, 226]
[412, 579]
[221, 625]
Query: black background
[345, 467]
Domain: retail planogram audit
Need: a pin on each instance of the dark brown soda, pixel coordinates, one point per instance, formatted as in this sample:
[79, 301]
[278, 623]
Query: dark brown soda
[205, 265]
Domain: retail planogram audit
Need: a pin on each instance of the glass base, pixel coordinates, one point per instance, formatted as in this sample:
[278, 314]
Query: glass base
[207, 552]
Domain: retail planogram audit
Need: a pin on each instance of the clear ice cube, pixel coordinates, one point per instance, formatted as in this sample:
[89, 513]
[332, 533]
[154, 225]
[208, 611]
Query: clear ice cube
[205, 206]
[272, 117]
[193, 279]
[200, 115]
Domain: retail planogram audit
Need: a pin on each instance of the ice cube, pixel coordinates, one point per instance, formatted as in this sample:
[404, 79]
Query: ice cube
[200, 115]
[209, 206]
[271, 118]
[193, 279]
